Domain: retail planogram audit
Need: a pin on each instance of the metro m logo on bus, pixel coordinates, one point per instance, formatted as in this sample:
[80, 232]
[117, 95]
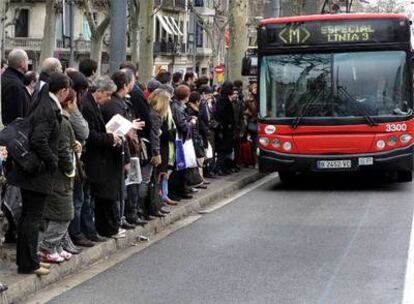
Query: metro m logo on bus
[294, 35]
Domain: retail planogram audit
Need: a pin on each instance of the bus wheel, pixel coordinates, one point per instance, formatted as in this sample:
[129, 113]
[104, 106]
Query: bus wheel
[405, 176]
[287, 177]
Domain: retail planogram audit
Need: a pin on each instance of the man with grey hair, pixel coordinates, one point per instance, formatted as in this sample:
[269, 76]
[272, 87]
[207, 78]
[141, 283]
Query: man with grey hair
[14, 96]
[49, 65]
[100, 145]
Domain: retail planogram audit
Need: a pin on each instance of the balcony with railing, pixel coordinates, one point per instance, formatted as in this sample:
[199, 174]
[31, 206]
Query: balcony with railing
[169, 48]
[171, 4]
[35, 44]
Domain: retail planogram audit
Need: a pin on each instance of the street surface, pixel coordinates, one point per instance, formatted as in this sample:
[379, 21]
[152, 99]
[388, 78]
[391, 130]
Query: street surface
[341, 241]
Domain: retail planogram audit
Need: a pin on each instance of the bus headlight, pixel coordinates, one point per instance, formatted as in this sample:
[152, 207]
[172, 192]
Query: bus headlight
[264, 141]
[380, 144]
[287, 146]
[405, 138]
[276, 143]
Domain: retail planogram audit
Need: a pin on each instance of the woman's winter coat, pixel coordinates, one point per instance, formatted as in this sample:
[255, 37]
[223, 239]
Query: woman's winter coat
[59, 204]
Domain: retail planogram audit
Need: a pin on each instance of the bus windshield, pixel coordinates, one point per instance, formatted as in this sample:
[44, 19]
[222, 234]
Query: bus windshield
[348, 85]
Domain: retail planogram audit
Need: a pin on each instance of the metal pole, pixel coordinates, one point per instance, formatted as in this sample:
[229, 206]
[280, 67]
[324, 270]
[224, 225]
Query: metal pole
[194, 42]
[118, 34]
[2, 29]
[276, 8]
[272, 9]
[72, 33]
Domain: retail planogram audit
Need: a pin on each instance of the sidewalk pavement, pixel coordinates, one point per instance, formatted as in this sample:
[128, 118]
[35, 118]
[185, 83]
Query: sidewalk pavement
[22, 286]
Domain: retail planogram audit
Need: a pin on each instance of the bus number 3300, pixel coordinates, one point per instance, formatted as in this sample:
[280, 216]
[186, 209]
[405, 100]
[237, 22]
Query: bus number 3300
[396, 127]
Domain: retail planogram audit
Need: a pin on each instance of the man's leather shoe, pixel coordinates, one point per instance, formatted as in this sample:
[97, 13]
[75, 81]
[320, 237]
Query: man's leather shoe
[175, 198]
[128, 226]
[202, 186]
[83, 242]
[164, 210]
[96, 238]
[171, 202]
[186, 196]
[140, 221]
[41, 271]
[72, 249]
[158, 214]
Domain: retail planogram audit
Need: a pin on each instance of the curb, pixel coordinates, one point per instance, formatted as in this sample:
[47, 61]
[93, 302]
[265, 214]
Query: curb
[23, 286]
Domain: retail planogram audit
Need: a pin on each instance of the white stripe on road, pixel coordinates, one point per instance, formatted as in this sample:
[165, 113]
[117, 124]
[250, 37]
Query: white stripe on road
[408, 296]
[239, 194]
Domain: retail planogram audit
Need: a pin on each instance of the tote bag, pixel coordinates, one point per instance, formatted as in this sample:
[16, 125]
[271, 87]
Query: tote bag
[189, 152]
[179, 154]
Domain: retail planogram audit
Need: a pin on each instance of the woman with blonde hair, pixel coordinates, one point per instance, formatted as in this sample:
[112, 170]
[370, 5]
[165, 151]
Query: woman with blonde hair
[162, 139]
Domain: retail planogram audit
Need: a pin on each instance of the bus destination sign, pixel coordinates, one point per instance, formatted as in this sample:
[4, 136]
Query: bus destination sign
[335, 32]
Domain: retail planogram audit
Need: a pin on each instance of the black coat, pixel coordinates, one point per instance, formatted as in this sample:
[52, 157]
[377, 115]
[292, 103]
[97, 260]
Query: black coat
[181, 118]
[224, 115]
[102, 160]
[141, 109]
[14, 95]
[45, 125]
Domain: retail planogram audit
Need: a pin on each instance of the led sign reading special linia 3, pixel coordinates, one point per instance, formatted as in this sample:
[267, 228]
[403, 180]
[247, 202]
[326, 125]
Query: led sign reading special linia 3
[348, 33]
[333, 32]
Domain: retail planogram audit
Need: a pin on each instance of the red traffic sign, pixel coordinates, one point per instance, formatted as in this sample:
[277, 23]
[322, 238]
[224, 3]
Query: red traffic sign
[219, 69]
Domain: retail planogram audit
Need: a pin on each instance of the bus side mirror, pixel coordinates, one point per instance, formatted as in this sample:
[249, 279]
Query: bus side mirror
[250, 65]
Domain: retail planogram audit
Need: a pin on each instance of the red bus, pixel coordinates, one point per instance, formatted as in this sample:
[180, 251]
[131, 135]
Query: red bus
[335, 94]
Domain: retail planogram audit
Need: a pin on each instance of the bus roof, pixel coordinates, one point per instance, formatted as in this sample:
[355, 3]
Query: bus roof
[328, 17]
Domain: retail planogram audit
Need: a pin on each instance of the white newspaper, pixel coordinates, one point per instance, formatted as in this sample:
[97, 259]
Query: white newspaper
[134, 174]
[118, 125]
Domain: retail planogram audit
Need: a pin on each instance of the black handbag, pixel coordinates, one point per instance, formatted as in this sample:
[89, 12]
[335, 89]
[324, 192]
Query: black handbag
[153, 201]
[193, 177]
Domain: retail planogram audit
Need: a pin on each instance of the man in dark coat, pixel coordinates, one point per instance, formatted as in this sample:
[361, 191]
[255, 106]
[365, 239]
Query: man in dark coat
[102, 158]
[224, 115]
[15, 98]
[49, 66]
[45, 123]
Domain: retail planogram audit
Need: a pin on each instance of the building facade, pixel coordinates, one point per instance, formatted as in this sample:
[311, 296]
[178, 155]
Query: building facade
[179, 43]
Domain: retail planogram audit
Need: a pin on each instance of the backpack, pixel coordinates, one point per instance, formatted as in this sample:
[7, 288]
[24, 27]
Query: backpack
[15, 137]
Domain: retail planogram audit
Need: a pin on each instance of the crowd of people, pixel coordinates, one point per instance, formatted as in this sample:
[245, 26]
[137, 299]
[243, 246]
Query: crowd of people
[90, 182]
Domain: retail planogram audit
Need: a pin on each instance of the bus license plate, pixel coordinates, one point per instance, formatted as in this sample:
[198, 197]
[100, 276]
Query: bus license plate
[334, 164]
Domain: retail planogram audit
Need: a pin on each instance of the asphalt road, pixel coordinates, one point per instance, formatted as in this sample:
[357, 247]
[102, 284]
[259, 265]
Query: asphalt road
[336, 241]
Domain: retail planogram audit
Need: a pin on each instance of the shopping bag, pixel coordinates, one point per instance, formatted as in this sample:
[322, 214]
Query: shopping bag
[209, 151]
[189, 154]
[179, 154]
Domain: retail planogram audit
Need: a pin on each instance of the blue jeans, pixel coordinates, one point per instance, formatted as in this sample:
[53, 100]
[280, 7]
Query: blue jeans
[83, 222]
[164, 188]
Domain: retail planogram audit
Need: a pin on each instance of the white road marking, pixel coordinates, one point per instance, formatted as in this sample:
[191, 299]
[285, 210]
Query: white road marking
[408, 295]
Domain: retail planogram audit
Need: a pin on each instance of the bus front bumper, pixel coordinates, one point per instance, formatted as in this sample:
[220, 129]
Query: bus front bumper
[396, 160]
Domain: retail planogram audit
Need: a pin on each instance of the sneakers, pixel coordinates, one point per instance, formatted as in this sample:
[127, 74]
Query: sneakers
[121, 234]
[50, 257]
[65, 255]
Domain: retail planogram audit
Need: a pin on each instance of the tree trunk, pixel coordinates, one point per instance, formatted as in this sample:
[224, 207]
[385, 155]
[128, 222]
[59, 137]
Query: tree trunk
[49, 37]
[146, 54]
[96, 49]
[238, 37]
[133, 29]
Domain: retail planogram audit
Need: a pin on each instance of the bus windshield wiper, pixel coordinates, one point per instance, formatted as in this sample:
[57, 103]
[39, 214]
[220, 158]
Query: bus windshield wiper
[356, 105]
[305, 109]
